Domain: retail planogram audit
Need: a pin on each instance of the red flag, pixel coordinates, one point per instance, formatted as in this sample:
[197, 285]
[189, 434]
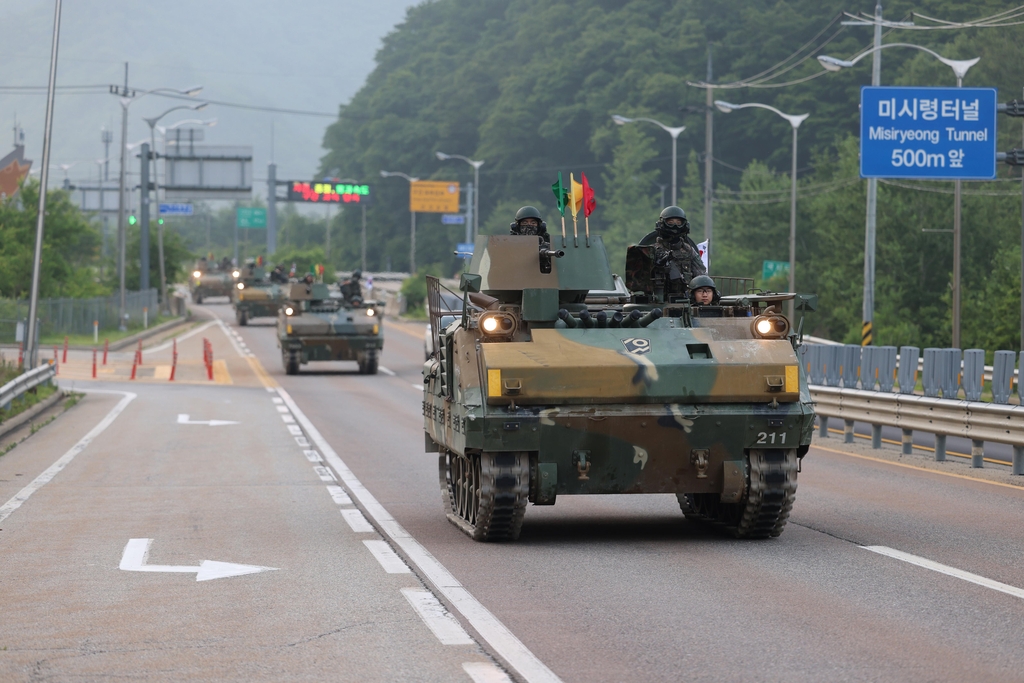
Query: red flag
[588, 197]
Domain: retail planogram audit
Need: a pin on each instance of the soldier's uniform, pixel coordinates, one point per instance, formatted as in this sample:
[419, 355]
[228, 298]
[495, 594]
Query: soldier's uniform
[351, 289]
[676, 264]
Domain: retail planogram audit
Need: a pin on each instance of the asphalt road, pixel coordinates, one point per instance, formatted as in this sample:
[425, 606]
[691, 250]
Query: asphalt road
[598, 588]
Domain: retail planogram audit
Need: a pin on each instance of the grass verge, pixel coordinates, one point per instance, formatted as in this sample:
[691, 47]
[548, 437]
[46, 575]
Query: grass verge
[87, 339]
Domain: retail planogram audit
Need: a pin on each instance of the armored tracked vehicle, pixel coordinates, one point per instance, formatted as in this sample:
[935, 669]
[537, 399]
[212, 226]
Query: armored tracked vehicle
[314, 326]
[254, 296]
[210, 278]
[537, 391]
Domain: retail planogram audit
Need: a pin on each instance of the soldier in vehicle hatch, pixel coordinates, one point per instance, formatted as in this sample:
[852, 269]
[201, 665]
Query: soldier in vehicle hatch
[676, 260]
[703, 291]
[352, 289]
[529, 222]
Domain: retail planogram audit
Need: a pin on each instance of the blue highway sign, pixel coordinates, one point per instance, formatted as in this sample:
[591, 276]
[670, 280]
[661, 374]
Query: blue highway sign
[928, 133]
[175, 209]
[453, 219]
[464, 249]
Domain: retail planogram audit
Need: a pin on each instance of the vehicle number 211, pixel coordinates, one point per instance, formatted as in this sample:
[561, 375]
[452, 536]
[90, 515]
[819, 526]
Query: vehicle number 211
[771, 437]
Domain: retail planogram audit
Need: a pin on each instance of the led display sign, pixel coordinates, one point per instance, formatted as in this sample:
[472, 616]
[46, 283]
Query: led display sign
[328, 192]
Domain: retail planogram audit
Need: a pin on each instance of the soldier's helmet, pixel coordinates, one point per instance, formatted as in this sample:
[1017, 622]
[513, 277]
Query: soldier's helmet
[356, 274]
[701, 281]
[517, 228]
[672, 224]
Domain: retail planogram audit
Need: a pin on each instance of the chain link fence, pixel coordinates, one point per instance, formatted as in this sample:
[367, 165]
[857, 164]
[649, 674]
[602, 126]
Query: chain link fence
[67, 316]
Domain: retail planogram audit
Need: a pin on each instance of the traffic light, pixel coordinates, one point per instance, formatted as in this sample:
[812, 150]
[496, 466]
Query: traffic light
[160, 221]
[132, 220]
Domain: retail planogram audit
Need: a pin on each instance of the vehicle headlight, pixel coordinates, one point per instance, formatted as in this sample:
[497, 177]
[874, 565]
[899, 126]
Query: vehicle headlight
[241, 285]
[498, 324]
[370, 312]
[288, 310]
[235, 273]
[197, 274]
[770, 326]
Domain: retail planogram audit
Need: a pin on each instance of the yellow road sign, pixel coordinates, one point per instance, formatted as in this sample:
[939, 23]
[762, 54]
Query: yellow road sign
[434, 196]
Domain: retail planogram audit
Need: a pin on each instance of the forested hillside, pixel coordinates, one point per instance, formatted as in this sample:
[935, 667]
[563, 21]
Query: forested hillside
[530, 85]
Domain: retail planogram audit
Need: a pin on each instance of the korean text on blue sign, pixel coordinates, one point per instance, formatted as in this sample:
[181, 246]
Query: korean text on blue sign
[928, 133]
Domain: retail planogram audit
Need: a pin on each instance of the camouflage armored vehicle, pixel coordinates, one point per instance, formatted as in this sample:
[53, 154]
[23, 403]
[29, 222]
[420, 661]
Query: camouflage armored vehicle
[254, 296]
[212, 278]
[313, 326]
[538, 391]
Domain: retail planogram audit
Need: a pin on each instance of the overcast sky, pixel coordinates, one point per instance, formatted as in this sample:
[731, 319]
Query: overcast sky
[311, 56]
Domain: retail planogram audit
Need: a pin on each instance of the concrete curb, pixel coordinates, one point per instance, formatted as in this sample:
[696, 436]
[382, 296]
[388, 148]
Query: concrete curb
[132, 340]
[21, 418]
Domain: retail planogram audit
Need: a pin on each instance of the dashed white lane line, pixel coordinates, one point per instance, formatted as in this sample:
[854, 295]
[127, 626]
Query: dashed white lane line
[417, 387]
[287, 418]
[386, 371]
[387, 557]
[485, 672]
[294, 430]
[356, 520]
[338, 494]
[490, 628]
[946, 569]
[278, 400]
[312, 456]
[447, 629]
[302, 441]
[324, 473]
[50, 472]
[281, 409]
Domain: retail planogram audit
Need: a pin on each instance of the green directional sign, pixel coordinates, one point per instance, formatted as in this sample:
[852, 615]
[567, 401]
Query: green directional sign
[773, 269]
[251, 217]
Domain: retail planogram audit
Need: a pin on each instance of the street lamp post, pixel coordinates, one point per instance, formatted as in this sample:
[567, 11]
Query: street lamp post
[674, 132]
[156, 194]
[129, 96]
[960, 68]
[476, 187]
[794, 120]
[412, 227]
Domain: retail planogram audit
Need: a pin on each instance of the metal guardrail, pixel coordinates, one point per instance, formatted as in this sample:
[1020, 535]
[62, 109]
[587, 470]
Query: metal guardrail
[25, 381]
[979, 422]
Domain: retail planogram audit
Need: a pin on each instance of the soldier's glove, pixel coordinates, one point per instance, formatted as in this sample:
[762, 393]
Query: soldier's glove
[662, 258]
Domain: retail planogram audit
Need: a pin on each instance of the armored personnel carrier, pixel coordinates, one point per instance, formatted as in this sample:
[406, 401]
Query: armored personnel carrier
[537, 391]
[254, 296]
[212, 278]
[314, 326]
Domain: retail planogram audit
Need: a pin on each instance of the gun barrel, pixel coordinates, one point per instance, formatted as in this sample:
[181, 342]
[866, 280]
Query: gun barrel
[557, 253]
[650, 317]
[567, 318]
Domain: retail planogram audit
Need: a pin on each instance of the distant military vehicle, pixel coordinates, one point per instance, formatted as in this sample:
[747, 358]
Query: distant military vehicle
[314, 326]
[254, 295]
[212, 278]
[536, 391]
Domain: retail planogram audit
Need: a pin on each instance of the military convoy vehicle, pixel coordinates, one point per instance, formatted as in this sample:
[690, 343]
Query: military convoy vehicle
[210, 278]
[254, 296]
[314, 326]
[555, 381]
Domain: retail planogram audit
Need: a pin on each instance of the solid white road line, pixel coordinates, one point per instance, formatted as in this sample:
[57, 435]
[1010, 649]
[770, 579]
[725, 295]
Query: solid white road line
[485, 672]
[490, 628]
[356, 520]
[387, 557]
[167, 345]
[338, 494]
[386, 371]
[447, 629]
[946, 569]
[62, 462]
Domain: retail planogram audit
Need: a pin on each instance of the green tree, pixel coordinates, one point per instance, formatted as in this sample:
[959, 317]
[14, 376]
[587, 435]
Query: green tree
[631, 208]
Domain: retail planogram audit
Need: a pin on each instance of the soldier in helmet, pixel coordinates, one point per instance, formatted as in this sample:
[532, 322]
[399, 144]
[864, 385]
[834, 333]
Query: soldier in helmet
[352, 289]
[529, 222]
[703, 292]
[676, 260]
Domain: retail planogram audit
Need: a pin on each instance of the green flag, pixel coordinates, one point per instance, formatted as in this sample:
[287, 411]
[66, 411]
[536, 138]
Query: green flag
[561, 196]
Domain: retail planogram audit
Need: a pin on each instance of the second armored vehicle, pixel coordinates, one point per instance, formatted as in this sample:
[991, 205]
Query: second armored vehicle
[254, 295]
[314, 326]
[537, 392]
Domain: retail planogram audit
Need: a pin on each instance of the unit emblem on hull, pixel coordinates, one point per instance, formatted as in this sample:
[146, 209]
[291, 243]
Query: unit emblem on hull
[637, 345]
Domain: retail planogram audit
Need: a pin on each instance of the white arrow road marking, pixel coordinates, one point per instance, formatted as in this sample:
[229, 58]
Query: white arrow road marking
[137, 552]
[183, 420]
[946, 569]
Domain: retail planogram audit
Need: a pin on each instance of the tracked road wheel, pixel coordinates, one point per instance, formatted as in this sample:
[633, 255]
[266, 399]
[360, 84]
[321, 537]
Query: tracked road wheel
[368, 362]
[763, 509]
[243, 318]
[485, 494]
[291, 363]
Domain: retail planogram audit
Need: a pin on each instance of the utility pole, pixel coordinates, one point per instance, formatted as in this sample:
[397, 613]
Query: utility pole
[868, 314]
[271, 208]
[32, 340]
[470, 212]
[363, 236]
[144, 218]
[121, 201]
[708, 152]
